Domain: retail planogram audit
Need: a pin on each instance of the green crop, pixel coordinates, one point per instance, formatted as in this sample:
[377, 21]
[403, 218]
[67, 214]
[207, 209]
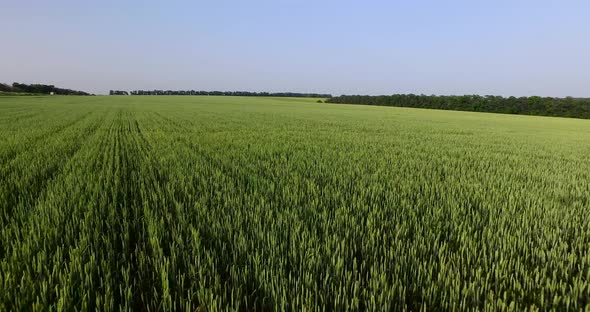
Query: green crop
[228, 203]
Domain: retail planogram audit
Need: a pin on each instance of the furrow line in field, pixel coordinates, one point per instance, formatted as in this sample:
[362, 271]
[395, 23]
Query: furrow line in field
[21, 198]
[165, 217]
[8, 154]
[212, 172]
[160, 220]
[139, 190]
[19, 117]
[40, 245]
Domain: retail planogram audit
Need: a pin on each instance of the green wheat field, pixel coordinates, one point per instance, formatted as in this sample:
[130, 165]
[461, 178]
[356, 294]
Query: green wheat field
[242, 203]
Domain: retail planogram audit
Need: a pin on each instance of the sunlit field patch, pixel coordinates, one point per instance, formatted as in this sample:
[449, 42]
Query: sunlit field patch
[241, 203]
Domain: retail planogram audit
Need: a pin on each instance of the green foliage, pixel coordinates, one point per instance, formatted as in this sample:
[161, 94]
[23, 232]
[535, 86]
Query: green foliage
[229, 203]
[534, 105]
[221, 93]
[3, 93]
[22, 88]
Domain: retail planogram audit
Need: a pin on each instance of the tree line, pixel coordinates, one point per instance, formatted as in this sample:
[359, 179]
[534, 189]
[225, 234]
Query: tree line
[219, 93]
[534, 105]
[38, 89]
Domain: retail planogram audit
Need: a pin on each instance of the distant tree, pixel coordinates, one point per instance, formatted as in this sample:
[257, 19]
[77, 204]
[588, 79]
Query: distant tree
[221, 93]
[5, 88]
[566, 107]
[43, 89]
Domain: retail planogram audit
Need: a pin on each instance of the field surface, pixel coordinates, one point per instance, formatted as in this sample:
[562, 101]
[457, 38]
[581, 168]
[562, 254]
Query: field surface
[229, 203]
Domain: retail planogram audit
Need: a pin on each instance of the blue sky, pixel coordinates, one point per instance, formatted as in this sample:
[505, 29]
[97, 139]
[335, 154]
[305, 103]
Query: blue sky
[352, 47]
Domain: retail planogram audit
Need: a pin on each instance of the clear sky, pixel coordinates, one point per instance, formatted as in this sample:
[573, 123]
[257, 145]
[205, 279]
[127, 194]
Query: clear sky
[354, 47]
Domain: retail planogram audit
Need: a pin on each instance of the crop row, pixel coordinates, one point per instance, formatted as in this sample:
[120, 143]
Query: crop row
[163, 204]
